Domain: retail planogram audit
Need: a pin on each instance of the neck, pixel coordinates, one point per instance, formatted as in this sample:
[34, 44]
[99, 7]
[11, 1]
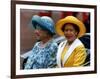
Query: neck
[45, 40]
[70, 42]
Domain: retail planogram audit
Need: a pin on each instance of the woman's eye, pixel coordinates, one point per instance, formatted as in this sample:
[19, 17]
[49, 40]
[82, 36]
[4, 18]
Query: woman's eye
[38, 27]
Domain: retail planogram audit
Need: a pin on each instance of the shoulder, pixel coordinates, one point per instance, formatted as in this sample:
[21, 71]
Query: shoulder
[53, 44]
[35, 46]
[62, 43]
[80, 50]
[79, 44]
[80, 47]
[37, 43]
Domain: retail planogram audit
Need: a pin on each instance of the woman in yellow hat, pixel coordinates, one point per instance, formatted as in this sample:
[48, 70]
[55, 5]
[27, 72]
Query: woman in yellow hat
[71, 53]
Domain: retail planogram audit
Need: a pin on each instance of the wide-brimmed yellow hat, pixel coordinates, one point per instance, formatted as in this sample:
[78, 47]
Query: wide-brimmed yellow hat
[73, 20]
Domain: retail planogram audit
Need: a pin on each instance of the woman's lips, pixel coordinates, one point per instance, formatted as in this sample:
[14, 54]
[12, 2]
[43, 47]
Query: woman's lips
[38, 34]
[69, 36]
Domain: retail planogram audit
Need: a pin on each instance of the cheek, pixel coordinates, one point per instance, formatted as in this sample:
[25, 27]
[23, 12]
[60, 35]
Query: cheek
[71, 38]
[70, 35]
[74, 34]
[38, 33]
[42, 34]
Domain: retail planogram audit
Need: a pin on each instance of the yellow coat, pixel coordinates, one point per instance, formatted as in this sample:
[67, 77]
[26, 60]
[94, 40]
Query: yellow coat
[76, 58]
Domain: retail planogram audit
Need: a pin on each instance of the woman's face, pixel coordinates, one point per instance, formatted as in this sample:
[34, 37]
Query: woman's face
[40, 34]
[70, 32]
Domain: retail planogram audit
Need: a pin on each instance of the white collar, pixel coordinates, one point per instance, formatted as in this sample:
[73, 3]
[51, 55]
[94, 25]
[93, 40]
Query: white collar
[76, 43]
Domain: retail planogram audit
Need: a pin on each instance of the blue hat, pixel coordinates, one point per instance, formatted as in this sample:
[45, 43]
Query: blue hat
[45, 22]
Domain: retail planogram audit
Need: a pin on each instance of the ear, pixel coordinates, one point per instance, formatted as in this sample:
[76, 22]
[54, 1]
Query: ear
[76, 33]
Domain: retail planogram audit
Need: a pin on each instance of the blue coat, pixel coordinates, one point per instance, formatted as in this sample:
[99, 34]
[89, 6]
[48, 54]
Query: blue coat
[42, 57]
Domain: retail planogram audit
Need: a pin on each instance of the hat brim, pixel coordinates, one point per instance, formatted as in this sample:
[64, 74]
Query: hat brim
[38, 20]
[73, 20]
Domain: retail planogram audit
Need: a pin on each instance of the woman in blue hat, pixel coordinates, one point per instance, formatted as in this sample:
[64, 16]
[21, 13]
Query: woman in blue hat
[44, 52]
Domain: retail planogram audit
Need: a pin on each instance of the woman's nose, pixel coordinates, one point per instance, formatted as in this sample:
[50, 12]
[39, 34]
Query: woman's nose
[68, 32]
[36, 31]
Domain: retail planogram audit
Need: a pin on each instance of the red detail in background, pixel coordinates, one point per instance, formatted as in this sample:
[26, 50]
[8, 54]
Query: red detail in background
[64, 14]
[45, 13]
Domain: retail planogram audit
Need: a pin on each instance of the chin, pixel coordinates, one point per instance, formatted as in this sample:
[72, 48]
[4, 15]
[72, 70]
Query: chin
[70, 40]
[37, 38]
